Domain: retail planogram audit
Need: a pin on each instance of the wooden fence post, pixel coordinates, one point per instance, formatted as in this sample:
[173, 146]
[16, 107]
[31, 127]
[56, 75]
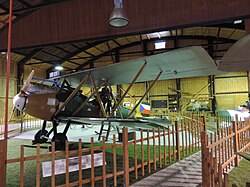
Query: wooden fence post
[235, 140]
[53, 178]
[226, 180]
[22, 166]
[3, 165]
[220, 175]
[38, 161]
[204, 155]
[178, 155]
[80, 161]
[204, 123]
[125, 157]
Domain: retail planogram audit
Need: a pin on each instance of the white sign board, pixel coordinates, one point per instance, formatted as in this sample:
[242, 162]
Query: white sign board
[60, 165]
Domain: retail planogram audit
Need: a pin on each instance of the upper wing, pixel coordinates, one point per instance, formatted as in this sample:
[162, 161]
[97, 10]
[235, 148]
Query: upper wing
[179, 63]
[237, 57]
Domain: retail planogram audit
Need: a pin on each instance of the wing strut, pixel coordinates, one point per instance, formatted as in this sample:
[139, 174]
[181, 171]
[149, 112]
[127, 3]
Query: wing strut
[71, 95]
[151, 85]
[131, 84]
[115, 101]
[98, 95]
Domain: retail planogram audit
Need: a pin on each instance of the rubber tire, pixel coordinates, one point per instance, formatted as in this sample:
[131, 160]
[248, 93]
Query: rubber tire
[59, 140]
[37, 136]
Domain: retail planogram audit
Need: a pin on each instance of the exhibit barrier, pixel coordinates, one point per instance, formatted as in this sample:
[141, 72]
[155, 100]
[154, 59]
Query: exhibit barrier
[20, 125]
[122, 162]
[219, 151]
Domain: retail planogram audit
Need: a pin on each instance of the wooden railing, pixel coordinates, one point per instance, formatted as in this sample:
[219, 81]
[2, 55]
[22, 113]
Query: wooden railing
[149, 151]
[18, 125]
[218, 151]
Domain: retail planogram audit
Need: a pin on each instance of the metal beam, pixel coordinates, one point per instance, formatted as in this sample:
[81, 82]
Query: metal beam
[29, 56]
[79, 50]
[32, 8]
[24, 2]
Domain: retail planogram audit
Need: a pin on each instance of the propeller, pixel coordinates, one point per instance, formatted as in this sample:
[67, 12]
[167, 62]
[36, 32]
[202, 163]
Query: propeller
[12, 113]
[20, 100]
[26, 85]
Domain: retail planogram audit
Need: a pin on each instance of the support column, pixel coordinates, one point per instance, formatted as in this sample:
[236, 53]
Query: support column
[212, 92]
[118, 87]
[3, 143]
[177, 81]
[247, 28]
[178, 87]
[211, 79]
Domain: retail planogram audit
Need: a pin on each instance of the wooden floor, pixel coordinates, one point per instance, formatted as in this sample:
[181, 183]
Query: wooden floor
[185, 173]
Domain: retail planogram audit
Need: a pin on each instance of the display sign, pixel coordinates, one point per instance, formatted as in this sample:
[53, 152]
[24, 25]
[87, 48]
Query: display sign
[54, 74]
[60, 165]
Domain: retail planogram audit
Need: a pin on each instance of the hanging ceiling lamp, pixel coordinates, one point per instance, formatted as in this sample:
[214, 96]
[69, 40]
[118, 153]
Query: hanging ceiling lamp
[118, 17]
[59, 68]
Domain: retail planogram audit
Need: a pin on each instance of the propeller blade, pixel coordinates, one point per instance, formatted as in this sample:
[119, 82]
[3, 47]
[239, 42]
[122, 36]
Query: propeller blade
[26, 84]
[12, 113]
[21, 115]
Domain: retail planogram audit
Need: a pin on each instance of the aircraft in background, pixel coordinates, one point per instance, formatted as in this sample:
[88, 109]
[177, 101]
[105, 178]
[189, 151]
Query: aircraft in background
[63, 101]
[242, 112]
[237, 57]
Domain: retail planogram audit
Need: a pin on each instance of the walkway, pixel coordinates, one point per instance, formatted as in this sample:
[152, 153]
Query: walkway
[185, 173]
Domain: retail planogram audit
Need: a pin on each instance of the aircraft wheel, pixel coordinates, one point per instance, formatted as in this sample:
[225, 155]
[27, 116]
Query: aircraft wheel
[59, 140]
[37, 137]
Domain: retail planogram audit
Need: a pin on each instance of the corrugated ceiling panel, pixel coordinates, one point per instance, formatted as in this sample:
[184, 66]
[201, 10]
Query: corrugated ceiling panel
[103, 47]
[122, 41]
[112, 44]
[69, 65]
[94, 51]
[132, 38]
[238, 34]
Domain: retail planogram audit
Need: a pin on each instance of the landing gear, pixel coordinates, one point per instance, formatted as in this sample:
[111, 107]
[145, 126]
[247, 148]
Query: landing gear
[59, 139]
[42, 135]
[39, 137]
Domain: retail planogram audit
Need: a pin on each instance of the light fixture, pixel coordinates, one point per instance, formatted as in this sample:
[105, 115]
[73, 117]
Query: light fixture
[118, 17]
[59, 68]
[237, 21]
[160, 45]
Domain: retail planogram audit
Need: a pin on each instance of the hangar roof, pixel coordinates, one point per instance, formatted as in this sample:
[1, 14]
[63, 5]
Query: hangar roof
[216, 37]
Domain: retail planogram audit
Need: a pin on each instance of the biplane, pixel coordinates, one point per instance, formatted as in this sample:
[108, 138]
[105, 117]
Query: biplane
[63, 101]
